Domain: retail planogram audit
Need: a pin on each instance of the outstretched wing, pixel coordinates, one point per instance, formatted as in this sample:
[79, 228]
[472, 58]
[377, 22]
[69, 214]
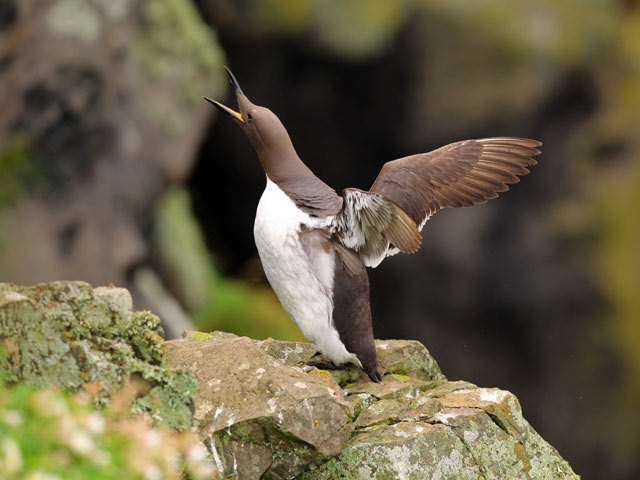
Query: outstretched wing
[460, 174]
[388, 218]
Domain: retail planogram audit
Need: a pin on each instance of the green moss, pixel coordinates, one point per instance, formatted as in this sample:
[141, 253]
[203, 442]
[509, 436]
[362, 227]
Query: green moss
[201, 336]
[402, 378]
[360, 402]
[64, 333]
[170, 401]
[399, 369]
[347, 376]
[17, 170]
[320, 373]
[144, 333]
[177, 46]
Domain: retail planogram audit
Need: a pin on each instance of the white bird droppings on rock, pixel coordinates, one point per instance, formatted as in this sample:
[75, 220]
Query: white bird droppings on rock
[216, 457]
[493, 396]
[218, 411]
[444, 417]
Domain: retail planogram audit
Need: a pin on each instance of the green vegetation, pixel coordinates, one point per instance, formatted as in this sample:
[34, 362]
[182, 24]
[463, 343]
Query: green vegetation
[16, 170]
[356, 29]
[608, 173]
[217, 303]
[69, 334]
[619, 262]
[255, 311]
[53, 435]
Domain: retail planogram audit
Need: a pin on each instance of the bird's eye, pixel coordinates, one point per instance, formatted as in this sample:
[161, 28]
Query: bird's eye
[250, 116]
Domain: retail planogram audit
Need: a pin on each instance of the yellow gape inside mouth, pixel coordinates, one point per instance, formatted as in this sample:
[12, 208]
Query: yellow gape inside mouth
[226, 109]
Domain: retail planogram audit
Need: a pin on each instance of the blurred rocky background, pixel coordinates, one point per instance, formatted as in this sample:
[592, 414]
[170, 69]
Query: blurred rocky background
[112, 170]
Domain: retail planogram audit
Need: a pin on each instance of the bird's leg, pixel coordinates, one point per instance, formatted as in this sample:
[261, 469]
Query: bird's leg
[325, 365]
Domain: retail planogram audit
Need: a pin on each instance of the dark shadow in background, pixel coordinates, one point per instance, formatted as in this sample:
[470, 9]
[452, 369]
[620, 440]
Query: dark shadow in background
[496, 298]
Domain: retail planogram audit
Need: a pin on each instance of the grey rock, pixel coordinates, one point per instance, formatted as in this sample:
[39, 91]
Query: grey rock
[252, 406]
[265, 414]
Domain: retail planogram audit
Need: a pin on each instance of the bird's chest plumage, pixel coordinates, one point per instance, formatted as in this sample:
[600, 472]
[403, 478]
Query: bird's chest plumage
[302, 280]
[286, 263]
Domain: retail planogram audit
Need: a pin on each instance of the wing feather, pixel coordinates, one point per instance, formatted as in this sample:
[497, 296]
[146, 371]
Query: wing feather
[457, 175]
[370, 222]
[407, 191]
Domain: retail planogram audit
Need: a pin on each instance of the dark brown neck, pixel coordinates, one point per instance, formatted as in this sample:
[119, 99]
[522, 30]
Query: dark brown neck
[294, 178]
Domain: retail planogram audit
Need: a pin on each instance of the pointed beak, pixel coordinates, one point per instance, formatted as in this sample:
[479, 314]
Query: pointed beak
[238, 91]
[225, 109]
[234, 82]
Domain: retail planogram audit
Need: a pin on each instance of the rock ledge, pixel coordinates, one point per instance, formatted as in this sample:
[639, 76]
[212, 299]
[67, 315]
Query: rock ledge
[264, 414]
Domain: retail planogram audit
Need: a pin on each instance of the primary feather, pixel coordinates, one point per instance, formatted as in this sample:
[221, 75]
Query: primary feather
[389, 218]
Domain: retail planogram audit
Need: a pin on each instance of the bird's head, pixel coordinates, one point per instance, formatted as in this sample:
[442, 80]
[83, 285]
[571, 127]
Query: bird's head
[263, 128]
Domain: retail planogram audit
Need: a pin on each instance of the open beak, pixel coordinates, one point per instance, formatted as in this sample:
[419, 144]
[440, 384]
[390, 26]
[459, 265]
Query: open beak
[224, 108]
[238, 91]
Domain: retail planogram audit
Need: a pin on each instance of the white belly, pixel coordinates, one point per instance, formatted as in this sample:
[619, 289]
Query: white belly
[304, 286]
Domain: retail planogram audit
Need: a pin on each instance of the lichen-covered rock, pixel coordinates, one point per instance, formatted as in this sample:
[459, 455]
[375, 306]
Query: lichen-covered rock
[404, 450]
[265, 414]
[408, 357]
[491, 424]
[72, 335]
[483, 436]
[259, 416]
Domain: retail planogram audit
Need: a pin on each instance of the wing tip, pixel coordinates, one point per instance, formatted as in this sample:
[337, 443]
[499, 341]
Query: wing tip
[525, 142]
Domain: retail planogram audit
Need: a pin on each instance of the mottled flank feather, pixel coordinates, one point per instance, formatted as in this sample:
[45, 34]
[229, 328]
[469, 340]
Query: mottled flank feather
[370, 222]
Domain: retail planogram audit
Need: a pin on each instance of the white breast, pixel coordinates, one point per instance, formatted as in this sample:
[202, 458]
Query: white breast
[304, 285]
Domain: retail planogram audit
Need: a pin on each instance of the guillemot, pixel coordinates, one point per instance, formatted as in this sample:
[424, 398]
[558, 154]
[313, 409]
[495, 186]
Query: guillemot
[314, 244]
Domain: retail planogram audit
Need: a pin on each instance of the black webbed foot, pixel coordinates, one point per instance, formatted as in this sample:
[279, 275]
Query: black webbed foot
[325, 365]
[375, 376]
